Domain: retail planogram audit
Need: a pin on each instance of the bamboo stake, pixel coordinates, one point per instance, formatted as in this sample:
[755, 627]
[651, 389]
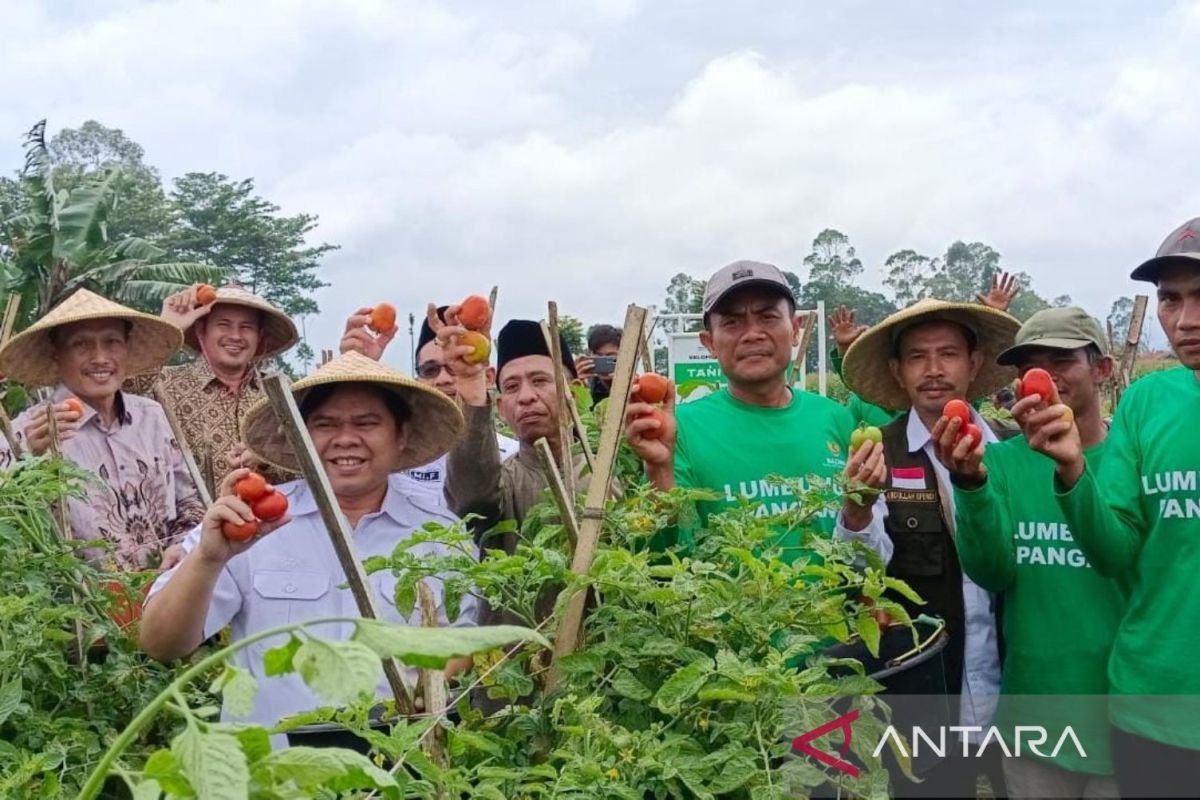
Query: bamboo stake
[10, 317]
[565, 422]
[492, 302]
[1133, 338]
[559, 490]
[433, 682]
[567, 404]
[806, 330]
[593, 514]
[288, 414]
[189, 460]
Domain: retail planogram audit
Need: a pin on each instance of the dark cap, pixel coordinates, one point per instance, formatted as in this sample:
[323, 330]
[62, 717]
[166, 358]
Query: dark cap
[741, 274]
[524, 337]
[1056, 328]
[1181, 247]
[427, 335]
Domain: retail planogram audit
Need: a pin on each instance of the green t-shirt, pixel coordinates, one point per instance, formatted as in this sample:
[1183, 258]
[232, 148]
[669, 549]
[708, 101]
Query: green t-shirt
[1013, 538]
[1138, 518]
[731, 447]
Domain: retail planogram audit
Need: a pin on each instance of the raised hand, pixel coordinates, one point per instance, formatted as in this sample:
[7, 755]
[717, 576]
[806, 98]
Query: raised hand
[37, 432]
[651, 430]
[360, 338]
[1050, 429]
[844, 328]
[460, 353]
[961, 455]
[214, 546]
[182, 310]
[1000, 296]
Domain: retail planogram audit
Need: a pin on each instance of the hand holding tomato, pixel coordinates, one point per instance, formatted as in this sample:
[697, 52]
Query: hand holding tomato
[464, 352]
[67, 416]
[230, 526]
[359, 336]
[650, 424]
[1051, 430]
[960, 448]
[182, 309]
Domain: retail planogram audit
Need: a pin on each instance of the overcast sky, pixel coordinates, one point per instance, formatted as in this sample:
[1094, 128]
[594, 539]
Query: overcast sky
[587, 150]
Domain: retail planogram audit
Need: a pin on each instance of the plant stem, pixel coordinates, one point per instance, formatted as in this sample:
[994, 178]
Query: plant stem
[96, 780]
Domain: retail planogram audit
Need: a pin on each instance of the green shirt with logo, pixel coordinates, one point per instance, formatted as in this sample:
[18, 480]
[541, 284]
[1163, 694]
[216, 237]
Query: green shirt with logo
[1138, 517]
[1060, 615]
[732, 447]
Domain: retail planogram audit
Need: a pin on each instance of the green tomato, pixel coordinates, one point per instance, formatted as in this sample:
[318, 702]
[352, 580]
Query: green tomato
[865, 434]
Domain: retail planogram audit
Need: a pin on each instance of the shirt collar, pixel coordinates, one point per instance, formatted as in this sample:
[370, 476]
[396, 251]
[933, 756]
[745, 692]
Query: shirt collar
[124, 415]
[919, 437]
[206, 377]
[396, 504]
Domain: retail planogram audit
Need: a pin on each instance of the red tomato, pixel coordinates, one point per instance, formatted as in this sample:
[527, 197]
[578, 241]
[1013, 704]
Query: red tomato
[74, 405]
[240, 531]
[383, 318]
[957, 409]
[652, 387]
[271, 507]
[251, 488]
[205, 295]
[1038, 381]
[473, 312]
[972, 430]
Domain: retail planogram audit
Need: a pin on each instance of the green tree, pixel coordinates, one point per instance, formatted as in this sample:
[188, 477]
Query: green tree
[572, 330]
[223, 222]
[907, 273]
[834, 276]
[56, 240]
[79, 154]
[685, 295]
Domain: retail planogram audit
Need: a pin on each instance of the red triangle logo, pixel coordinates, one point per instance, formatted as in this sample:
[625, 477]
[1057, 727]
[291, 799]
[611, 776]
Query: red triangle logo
[801, 743]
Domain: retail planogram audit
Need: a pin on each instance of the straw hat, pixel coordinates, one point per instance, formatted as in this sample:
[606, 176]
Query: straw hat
[865, 367]
[434, 428]
[279, 332]
[29, 356]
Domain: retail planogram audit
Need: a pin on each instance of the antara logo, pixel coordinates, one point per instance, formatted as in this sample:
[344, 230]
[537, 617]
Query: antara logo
[1031, 737]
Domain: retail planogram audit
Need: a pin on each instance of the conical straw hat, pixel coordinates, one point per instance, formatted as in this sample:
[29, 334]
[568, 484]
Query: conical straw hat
[29, 356]
[865, 367]
[434, 428]
[279, 332]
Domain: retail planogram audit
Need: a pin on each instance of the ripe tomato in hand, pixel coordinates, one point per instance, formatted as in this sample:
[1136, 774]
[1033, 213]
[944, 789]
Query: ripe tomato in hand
[251, 488]
[483, 347]
[205, 295]
[972, 430]
[652, 387]
[240, 531]
[271, 507]
[383, 318]
[75, 406]
[1038, 381]
[473, 312]
[957, 409]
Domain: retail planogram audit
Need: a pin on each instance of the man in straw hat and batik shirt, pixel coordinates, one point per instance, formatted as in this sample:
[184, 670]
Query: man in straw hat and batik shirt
[144, 498]
[366, 422]
[919, 359]
[231, 338]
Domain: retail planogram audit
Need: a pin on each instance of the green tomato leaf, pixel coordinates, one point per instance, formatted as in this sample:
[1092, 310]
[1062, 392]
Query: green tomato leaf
[330, 768]
[256, 743]
[279, 660]
[339, 672]
[682, 685]
[164, 768]
[736, 766]
[147, 790]
[626, 684]
[237, 688]
[431, 648]
[214, 764]
[405, 595]
[10, 698]
[902, 588]
[868, 629]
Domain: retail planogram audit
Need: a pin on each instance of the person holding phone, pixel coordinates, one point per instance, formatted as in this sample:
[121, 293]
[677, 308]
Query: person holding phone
[597, 367]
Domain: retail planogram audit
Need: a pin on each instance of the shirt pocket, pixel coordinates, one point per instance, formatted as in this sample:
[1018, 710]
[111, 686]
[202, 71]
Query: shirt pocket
[919, 548]
[289, 596]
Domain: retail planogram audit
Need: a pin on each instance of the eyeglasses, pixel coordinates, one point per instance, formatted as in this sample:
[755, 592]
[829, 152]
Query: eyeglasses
[428, 370]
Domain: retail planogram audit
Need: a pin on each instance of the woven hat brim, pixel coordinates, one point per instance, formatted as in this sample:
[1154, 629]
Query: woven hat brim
[279, 332]
[866, 369]
[29, 356]
[434, 428]
[1149, 271]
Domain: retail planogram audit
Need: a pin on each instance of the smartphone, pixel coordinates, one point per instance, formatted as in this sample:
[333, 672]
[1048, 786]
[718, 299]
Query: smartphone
[604, 365]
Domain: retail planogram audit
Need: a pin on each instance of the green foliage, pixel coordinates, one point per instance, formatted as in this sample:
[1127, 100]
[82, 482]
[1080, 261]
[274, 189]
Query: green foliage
[59, 712]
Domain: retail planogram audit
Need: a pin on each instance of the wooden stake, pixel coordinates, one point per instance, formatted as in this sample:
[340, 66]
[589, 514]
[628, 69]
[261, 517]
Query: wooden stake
[558, 488]
[189, 460]
[288, 414]
[10, 317]
[593, 514]
[492, 302]
[434, 683]
[806, 331]
[1133, 338]
[568, 405]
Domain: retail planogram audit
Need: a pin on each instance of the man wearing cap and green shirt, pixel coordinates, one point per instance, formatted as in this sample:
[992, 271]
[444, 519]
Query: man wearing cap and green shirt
[1137, 518]
[731, 441]
[920, 358]
[144, 499]
[1013, 539]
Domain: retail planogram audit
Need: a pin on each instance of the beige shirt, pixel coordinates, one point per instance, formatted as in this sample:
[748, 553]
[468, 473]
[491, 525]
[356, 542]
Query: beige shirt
[143, 499]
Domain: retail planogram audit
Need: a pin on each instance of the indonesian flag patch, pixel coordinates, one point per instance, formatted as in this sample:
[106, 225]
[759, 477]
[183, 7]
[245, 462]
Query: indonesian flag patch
[908, 477]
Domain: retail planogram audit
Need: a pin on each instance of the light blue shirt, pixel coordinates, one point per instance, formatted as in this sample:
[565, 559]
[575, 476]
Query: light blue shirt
[981, 654]
[293, 574]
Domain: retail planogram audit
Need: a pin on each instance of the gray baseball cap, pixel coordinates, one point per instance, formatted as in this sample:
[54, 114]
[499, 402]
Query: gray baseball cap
[741, 274]
[1057, 328]
[1182, 246]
